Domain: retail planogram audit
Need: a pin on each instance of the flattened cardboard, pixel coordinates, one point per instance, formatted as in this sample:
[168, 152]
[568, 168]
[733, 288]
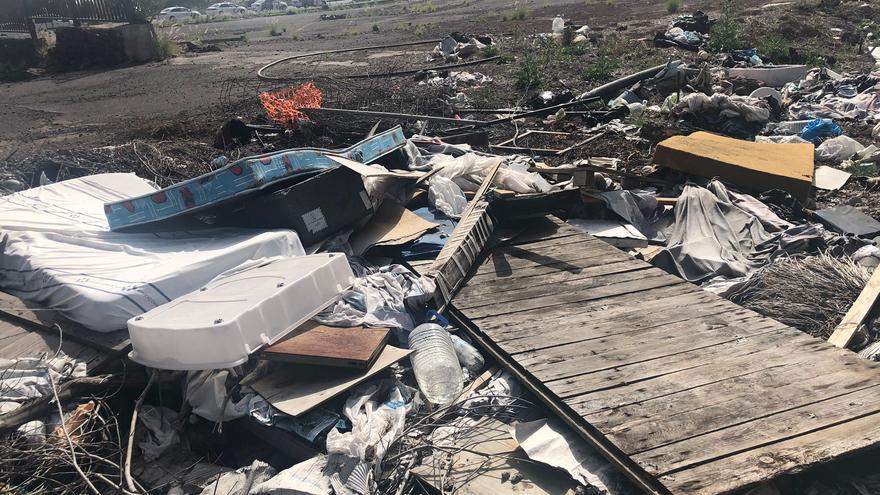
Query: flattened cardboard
[392, 225]
[295, 389]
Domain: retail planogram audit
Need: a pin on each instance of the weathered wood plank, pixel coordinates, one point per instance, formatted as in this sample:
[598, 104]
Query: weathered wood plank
[792, 422]
[858, 312]
[754, 466]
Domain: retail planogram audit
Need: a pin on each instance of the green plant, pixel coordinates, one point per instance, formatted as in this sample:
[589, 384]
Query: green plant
[529, 74]
[673, 6]
[567, 36]
[773, 48]
[420, 29]
[603, 68]
[516, 14]
[375, 28]
[275, 29]
[725, 34]
[166, 46]
[295, 37]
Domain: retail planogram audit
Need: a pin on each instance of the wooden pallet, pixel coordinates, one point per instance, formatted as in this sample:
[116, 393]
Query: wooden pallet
[686, 392]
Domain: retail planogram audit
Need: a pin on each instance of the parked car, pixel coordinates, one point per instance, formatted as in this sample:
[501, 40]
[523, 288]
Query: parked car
[224, 8]
[172, 14]
[267, 5]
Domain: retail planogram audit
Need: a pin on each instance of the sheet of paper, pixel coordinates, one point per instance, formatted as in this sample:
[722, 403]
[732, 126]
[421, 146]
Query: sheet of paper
[375, 170]
[295, 389]
[830, 178]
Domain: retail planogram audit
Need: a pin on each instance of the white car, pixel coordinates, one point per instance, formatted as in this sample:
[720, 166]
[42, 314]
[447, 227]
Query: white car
[172, 14]
[265, 5]
[224, 8]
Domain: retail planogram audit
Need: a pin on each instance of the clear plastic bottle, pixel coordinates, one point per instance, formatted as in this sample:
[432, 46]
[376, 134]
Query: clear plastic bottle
[558, 25]
[435, 363]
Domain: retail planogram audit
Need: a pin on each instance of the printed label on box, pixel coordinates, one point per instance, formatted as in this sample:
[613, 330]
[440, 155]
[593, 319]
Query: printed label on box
[314, 220]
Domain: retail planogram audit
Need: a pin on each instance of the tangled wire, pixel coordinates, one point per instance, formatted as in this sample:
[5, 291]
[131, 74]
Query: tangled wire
[811, 294]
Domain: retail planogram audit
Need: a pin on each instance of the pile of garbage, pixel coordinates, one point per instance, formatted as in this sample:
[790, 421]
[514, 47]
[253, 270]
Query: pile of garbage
[298, 290]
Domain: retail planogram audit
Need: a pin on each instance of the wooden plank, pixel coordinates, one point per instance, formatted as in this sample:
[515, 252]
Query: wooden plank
[762, 464]
[700, 410]
[661, 377]
[565, 283]
[652, 281]
[858, 312]
[320, 345]
[18, 341]
[790, 423]
[44, 319]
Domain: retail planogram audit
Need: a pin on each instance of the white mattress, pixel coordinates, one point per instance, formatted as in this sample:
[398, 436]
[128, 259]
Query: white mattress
[56, 249]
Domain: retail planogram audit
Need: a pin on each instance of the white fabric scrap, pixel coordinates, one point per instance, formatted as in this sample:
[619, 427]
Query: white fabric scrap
[206, 393]
[305, 478]
[236, 482]
[552, 444]
[161, 433]
[28, 378]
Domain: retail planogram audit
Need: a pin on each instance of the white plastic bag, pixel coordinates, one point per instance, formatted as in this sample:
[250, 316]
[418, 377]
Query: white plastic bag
[377, 411]
[446, 196]
[838, 149]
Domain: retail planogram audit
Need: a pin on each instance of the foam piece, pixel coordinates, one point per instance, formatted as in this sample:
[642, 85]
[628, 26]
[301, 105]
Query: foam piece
[57, 250]
[219, 325]
[237, 180]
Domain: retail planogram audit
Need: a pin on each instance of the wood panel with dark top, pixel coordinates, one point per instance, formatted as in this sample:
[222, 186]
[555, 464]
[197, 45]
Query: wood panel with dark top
[685, 391]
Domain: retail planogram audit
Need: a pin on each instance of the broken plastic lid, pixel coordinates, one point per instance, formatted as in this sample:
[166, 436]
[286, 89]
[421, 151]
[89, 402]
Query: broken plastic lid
[221, 324]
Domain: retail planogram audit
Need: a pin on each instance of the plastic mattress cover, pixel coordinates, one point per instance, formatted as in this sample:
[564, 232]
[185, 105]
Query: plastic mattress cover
[56, 249]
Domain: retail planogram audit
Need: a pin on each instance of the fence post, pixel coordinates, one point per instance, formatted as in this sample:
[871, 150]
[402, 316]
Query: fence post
[26, 16]
[128, 5]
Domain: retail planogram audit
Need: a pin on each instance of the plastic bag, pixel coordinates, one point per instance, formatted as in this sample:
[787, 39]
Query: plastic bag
[468, 356]
[838, 149]
[377, 411]
[446, 196]
[818, 129]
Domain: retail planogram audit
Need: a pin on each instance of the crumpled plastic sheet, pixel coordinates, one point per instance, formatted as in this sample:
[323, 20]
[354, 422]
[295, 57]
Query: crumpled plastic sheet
[838, 149]
[379, 297]
[308, 425]
[306, 478]
[446, 196]
[858, 107]
[711, 236]
[28, 378]
[638, 207]
[377, 411]
[206, 392]
[242, 481]
[161, 433]
[724, 106]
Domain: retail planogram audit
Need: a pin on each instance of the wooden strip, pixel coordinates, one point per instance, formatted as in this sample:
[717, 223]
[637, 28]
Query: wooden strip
[44, 320]
[647, 283]
[491, 272]
[571, 241]
[599, 269]
[675, 383]
[538, 319]
[797, 421]
[579, 282]
[799, 453]
[693, 412]
[648, 369]
[568, 359]
[695, 329]
[858, 312]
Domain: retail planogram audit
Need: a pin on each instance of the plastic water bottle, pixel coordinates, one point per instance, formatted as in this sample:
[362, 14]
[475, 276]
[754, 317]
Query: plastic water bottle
[435, 363]
[558, 25]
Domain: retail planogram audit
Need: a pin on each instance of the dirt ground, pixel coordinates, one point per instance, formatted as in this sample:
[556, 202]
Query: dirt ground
[193, 91]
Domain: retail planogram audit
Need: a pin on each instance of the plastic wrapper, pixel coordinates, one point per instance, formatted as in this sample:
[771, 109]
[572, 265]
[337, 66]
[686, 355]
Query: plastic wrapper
[838, 149]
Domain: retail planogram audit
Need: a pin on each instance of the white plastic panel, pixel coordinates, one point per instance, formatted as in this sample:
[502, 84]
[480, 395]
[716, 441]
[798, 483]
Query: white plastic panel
[219, 325]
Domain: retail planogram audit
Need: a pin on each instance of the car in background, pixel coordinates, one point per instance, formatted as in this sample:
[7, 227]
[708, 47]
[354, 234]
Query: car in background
[267, 5]
[224, 8]
[172, 14]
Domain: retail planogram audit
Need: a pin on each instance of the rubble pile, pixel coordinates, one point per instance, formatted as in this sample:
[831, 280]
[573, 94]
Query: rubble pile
[303, 292]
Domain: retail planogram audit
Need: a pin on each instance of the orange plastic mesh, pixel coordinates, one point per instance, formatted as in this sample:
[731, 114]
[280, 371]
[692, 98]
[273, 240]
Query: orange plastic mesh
[283, 106]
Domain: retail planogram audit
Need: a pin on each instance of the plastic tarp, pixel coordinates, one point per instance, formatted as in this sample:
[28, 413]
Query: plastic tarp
[711, 236]
[58, 251]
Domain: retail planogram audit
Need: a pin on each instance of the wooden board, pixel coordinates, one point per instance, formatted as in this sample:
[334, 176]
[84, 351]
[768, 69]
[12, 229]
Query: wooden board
[858, 312]
[685, 392]
[321, 345]
[25, 334]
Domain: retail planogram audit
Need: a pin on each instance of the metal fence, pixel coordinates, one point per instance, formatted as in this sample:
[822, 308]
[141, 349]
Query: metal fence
[18, 16]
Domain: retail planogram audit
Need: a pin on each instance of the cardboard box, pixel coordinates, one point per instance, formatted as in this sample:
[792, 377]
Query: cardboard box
[315, 208]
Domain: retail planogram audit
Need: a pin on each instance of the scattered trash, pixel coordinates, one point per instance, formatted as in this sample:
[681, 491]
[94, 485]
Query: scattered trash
[435, 363]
